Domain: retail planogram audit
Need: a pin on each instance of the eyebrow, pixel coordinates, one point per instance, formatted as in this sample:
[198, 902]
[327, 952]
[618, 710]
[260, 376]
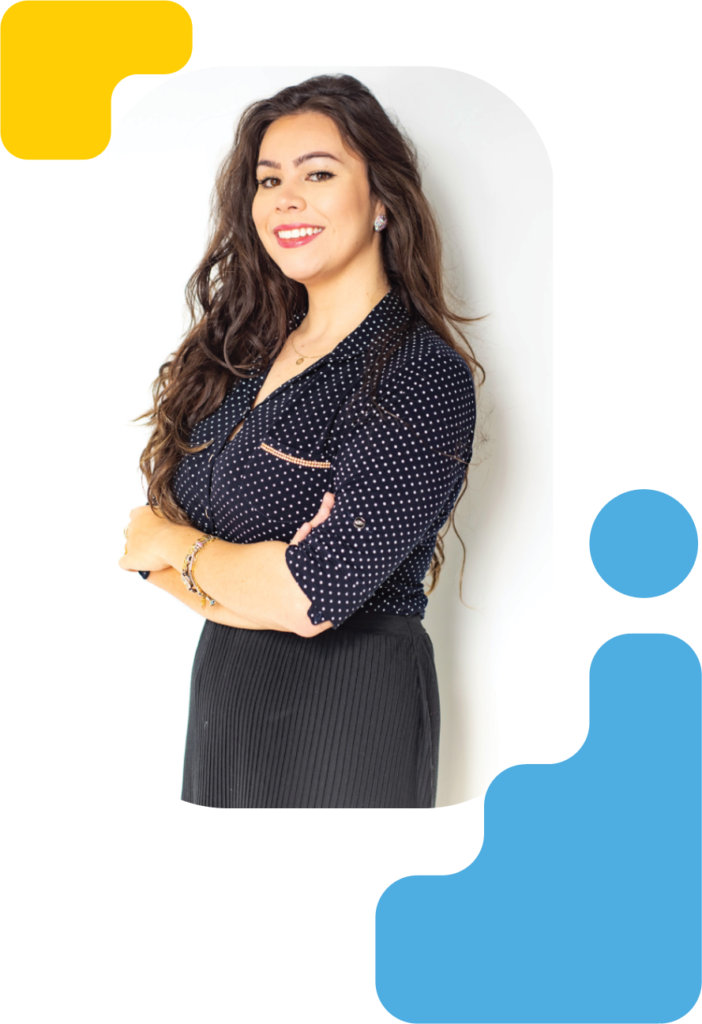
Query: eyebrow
[298, 161]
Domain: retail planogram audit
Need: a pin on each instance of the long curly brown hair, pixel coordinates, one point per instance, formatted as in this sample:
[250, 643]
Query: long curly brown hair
[241, 304]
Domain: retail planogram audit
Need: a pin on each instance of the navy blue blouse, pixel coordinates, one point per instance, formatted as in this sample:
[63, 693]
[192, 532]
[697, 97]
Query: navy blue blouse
[393, 482]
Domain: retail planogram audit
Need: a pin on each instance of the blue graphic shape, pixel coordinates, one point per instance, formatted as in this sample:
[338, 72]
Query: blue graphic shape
[583, 904]
[643, 543]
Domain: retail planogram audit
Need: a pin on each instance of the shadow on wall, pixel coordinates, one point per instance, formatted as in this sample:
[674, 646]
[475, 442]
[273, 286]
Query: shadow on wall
[466, 727]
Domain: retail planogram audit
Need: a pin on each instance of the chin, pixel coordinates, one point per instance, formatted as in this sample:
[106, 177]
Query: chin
[303, 271]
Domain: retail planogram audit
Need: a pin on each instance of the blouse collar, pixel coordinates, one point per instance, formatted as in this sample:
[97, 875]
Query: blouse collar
[389, 311]
[386, 313]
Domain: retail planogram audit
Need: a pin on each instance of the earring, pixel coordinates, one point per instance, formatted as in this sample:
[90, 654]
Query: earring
[380, 222]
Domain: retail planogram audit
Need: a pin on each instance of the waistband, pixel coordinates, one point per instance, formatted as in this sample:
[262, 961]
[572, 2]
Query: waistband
[383, 622]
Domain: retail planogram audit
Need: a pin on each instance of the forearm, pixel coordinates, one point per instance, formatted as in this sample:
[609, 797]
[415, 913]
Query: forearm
[170, 581]
[251, 580]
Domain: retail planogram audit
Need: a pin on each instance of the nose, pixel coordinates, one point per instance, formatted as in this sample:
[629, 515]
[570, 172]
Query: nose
[289, 199]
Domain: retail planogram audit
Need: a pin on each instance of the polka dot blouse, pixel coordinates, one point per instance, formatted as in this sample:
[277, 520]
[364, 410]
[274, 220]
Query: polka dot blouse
[389, 469]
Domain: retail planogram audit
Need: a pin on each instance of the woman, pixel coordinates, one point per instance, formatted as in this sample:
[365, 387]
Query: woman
[320, 383]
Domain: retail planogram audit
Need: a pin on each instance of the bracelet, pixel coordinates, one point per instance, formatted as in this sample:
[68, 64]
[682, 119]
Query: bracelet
[187, 572]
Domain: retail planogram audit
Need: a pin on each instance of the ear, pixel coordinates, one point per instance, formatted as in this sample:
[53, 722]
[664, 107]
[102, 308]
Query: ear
[378, 209]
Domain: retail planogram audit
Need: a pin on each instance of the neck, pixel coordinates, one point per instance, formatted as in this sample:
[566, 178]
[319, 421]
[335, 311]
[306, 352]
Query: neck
[337, 307]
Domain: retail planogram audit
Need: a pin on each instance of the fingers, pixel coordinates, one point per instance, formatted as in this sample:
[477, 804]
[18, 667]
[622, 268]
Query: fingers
[324, 510]
[301, 533]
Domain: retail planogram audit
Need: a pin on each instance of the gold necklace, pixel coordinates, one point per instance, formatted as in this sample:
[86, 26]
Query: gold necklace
[302, 358]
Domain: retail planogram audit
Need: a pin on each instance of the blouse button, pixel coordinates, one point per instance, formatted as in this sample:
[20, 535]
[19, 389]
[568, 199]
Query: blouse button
[359, 522]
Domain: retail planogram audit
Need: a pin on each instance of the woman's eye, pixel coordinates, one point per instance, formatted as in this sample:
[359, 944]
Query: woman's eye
[313, 176]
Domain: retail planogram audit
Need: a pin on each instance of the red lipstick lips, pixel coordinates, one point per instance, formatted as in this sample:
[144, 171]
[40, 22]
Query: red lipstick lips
[311, 231]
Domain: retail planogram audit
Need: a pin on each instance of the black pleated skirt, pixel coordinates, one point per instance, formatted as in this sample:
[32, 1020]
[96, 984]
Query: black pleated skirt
[348, 718]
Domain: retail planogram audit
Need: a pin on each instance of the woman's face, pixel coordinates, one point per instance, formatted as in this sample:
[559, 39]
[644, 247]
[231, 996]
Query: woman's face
[313, 209]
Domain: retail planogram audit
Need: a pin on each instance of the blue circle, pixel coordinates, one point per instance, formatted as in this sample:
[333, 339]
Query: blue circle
[643, 543]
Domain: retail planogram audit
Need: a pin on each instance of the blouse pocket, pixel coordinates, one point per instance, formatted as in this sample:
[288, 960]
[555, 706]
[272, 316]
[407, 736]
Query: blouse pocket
[296, 460]
[283, 485]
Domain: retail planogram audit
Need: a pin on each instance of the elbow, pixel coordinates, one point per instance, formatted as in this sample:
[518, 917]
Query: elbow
[300, 623]
[296, 608]
[303, 626]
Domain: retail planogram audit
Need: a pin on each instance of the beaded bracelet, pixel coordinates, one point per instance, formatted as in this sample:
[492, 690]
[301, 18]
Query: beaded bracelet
[187, 572]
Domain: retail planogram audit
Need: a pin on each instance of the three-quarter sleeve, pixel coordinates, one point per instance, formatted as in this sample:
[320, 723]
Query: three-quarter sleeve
[392, 480]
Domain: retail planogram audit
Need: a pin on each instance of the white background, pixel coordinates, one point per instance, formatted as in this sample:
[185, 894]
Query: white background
[123, 902]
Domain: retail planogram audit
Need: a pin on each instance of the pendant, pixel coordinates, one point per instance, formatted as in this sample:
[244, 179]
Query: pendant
[300, 360]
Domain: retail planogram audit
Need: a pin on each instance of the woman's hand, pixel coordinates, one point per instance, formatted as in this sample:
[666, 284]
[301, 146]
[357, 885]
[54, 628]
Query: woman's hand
[324, 510]
[145, 535]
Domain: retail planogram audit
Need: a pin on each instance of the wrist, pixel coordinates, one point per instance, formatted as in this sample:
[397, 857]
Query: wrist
[175, 543]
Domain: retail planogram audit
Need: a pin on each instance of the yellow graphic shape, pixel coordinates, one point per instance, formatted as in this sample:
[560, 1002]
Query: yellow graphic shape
[61, 59]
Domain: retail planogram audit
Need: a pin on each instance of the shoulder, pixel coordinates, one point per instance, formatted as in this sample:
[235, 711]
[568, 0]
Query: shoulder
[426, 369]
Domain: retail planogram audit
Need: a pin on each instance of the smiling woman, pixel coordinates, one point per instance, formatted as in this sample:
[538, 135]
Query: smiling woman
[330, 184]
[317, 423]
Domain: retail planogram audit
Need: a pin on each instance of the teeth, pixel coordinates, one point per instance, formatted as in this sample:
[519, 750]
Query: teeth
[299, 232]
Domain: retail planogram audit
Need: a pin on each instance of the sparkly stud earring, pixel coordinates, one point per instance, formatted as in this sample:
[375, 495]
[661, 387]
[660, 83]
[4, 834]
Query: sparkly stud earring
[380, 222]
